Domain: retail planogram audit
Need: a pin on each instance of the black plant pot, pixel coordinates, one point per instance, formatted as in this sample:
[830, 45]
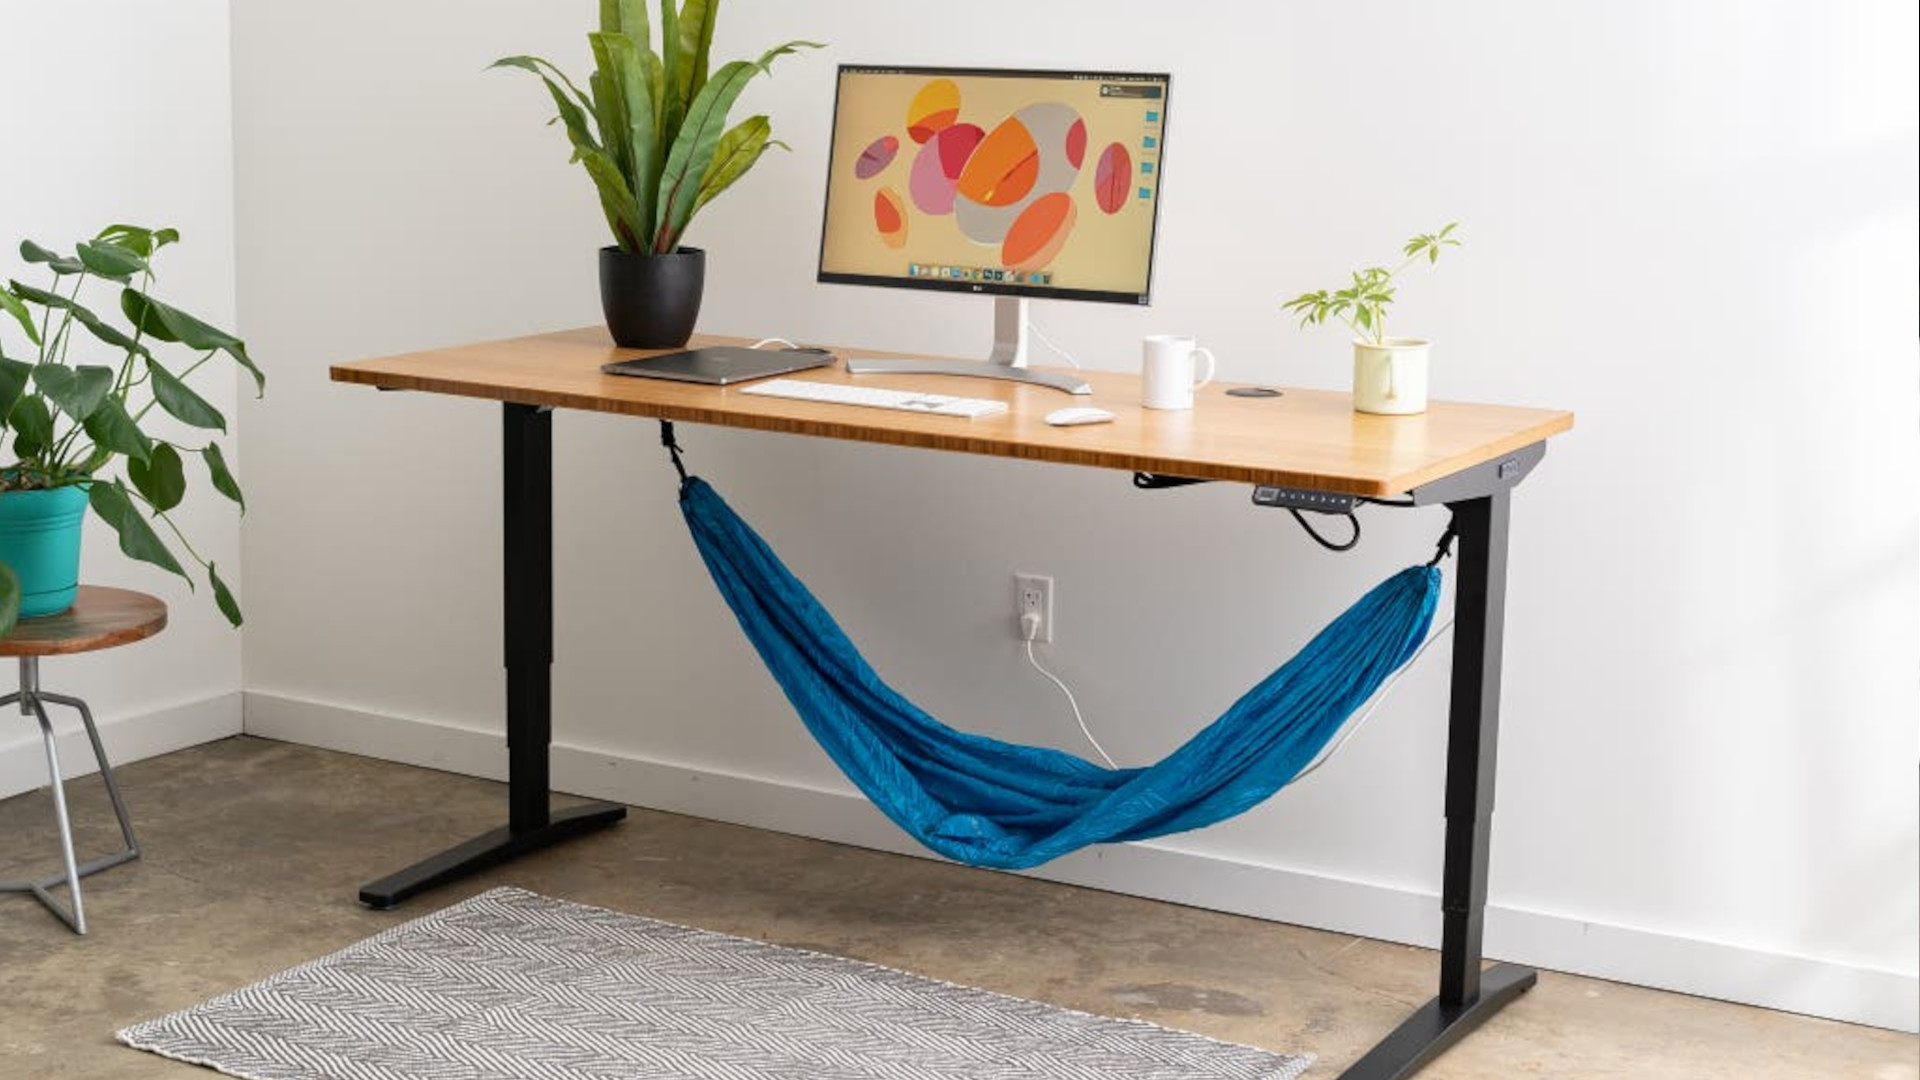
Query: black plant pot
[651, 301]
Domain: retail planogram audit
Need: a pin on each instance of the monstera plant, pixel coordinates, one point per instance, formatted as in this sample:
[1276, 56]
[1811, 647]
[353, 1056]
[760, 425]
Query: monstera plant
[652, 134]
[78, 394]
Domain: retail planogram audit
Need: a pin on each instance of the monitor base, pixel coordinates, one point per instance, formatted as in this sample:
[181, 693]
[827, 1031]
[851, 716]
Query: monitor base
[1007, 361]
[979, 369]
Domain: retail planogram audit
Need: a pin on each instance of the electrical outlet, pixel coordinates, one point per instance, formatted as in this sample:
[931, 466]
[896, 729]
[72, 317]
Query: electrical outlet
[1033, 595]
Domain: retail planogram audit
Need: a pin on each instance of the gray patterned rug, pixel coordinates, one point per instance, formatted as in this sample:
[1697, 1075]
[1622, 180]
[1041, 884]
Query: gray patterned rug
[511, 985]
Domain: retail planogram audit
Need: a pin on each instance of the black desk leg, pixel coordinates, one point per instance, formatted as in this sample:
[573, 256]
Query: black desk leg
[1468, 995]
[528, 566]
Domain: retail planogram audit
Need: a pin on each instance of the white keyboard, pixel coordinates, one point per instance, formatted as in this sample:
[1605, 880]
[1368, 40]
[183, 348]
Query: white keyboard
[876, 397]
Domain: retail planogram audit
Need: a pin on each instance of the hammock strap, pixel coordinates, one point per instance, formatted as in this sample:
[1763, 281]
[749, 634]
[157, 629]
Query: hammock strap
[1445, 547]
[672, 444]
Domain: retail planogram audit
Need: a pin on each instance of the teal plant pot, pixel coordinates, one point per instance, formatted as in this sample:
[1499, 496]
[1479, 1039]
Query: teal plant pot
[40, 539]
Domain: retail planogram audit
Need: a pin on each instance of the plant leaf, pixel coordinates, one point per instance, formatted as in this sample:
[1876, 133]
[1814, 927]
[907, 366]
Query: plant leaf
[546, 71]
[223, 481]
[181, 402]
[626, 93]
[14, 376]
[609, 97]
[223, 597]
[58, 263]
[95, 325]
[113, 430]
[737, 152]
[694, 147]
[111, 261]
[78, 391]
[616, 200]
[11, 305]
[574, 112]
[696, 35]
[139, 240]
[32, 423]
[676, 71]
[137, 538]
[171, 324]
[9, 600]
[161, 478]
[625, 17]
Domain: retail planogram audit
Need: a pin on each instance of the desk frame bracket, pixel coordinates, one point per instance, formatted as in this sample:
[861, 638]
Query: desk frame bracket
[527, 499]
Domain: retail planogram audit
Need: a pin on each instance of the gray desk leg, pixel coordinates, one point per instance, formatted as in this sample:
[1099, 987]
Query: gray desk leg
[527, 497]
[1468, 995]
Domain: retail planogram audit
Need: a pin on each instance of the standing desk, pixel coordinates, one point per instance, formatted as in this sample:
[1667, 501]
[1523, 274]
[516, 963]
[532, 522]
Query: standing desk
[1467, 457]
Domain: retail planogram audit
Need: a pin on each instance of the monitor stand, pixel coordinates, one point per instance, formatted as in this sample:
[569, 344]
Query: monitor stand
[1008, 360]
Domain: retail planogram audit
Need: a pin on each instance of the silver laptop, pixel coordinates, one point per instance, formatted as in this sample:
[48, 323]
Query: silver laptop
[721, 365]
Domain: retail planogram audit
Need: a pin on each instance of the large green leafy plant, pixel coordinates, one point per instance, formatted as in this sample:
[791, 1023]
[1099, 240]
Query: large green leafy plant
[70, 421]
[653, 132]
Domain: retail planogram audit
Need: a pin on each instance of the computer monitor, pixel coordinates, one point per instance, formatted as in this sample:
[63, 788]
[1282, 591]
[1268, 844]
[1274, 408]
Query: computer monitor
[1014, 184]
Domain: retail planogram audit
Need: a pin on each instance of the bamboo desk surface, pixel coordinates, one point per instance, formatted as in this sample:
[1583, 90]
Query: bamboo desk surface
[1304, 439]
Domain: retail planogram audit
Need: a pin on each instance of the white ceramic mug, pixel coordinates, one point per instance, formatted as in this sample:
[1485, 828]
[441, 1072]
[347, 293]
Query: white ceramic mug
[1167, 375]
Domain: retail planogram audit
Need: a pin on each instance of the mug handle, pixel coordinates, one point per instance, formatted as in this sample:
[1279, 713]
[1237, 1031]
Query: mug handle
[1208, 377]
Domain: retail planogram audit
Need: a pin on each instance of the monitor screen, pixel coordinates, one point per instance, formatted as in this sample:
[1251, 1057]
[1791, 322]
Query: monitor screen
[1024, 183]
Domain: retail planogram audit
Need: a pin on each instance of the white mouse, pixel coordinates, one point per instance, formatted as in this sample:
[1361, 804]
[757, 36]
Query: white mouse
[1078, 414]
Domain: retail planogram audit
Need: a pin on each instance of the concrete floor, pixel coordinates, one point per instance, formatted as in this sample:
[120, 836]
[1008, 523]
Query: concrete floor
[255, 849]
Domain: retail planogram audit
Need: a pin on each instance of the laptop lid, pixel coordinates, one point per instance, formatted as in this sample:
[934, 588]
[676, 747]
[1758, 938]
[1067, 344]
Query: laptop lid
[720, 365]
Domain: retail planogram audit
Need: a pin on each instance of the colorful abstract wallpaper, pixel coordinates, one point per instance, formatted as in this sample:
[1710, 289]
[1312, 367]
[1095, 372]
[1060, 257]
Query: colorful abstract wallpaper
[998, 179]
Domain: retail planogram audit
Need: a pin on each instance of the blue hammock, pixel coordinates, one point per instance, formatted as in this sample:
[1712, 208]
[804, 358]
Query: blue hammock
[990, 803]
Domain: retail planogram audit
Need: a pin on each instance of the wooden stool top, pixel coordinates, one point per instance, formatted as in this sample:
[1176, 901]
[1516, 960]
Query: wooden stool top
[100, 618]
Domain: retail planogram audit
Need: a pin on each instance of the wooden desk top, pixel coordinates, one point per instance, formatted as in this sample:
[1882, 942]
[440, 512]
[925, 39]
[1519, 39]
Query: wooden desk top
[100, 618]
[1304, 439]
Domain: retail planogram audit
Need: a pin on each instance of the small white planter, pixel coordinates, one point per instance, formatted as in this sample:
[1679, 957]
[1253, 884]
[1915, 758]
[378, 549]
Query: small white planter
[1391, 378]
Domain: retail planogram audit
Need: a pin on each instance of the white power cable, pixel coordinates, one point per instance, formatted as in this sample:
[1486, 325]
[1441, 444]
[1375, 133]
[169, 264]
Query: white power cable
[1379, 696]
[1048, 342]
[780, 341]
[1030, 629]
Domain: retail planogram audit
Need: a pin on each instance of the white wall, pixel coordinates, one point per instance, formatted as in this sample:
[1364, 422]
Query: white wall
[122, 112]
[1694, 225]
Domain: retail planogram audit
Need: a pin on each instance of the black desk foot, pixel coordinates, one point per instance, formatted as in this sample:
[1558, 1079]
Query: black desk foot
[1434, 1027]
[488, 849]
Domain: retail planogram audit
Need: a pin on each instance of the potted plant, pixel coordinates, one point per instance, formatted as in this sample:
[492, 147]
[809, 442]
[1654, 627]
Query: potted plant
[653, 135]
[1389, 373]
[71, 421]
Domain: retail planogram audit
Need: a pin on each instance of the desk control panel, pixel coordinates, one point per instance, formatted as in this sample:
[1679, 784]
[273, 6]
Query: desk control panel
[1326, 502]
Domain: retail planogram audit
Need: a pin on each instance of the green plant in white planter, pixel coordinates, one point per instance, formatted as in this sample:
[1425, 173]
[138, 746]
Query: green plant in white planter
[1389, 373]
[653, 136]
[71, 421]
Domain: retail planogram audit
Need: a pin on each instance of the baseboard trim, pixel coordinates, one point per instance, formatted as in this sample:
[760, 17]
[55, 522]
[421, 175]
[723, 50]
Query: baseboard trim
[23, 764]
[1558, 942]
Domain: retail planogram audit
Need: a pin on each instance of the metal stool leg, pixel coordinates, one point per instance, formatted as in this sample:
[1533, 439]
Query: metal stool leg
[106, 774]
[76, 916]
[30, 697]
